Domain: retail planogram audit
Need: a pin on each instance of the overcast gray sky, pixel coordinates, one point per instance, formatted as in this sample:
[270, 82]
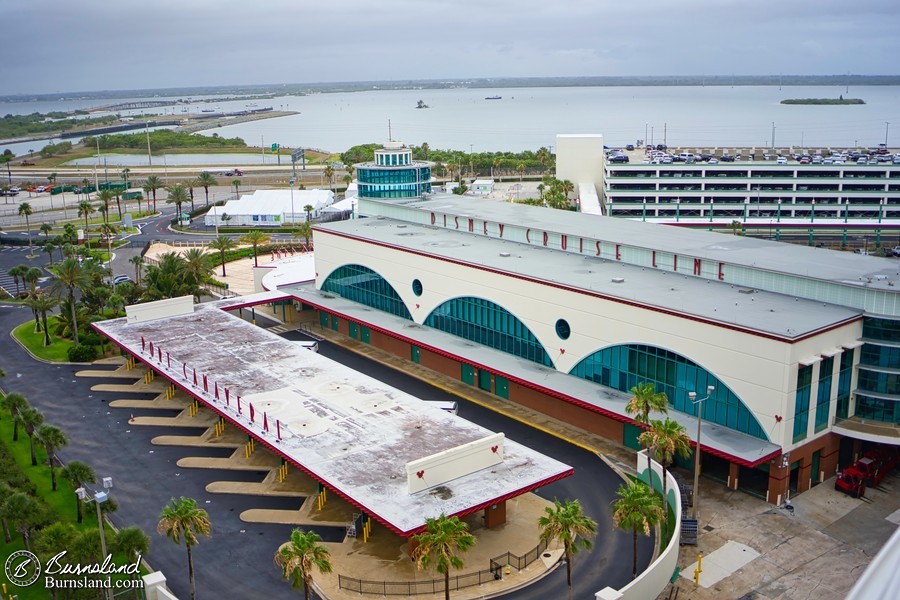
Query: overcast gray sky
[61, 45]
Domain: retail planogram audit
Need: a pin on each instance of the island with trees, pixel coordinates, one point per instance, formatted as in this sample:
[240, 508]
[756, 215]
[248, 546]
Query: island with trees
[824, 101]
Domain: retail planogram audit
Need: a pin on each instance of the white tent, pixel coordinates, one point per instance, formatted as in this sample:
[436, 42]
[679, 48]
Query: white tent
[270, 208]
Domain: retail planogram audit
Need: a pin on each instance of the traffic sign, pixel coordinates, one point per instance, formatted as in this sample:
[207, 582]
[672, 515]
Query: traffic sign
[274, 148]
[297, 154]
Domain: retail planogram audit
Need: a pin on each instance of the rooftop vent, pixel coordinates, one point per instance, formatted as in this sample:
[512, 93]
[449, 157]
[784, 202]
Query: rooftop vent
[504, 254]
[401, 226]
[618, 280]
[746, 291]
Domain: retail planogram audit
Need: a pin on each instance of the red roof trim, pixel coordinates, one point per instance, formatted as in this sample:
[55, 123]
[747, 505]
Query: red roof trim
[273, 448]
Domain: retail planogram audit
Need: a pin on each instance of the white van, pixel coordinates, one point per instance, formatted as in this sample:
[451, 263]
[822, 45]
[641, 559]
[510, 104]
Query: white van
[314, 346]
[687, 156]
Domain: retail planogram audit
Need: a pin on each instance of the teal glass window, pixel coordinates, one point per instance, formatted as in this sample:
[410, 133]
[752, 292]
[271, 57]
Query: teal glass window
[877, 409]
[879, 356]
[417, 287]
[801, 402]
[887, 330]
[845, 374]
[623, 367]
[363, 285]
[823, 396]
[483, 322]
[879, 383]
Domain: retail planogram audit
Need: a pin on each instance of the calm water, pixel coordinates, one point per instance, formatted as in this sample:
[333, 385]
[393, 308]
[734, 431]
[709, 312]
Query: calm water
[527, 118]
[175, 160]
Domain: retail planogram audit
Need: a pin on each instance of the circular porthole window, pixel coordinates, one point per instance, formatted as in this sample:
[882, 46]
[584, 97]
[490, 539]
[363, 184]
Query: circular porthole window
[417, 287]
[562, 329]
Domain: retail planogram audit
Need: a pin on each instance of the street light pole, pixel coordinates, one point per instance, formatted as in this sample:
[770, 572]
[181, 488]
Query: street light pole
[292, 202]
[699, 404]
[98, 499]
[886, 127]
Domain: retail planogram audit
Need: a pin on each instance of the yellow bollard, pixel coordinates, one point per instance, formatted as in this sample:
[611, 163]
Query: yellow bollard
[698, 570]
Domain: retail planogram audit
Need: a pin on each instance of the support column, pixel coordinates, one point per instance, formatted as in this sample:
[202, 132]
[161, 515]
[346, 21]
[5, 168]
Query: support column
[804, 475]
[778, 482]
[734, 471]
[495, 515]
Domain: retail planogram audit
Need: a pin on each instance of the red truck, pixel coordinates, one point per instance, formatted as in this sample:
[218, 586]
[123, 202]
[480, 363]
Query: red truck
[851, 481]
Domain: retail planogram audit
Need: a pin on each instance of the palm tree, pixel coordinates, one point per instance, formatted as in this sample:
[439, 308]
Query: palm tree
[138, 262]
[78, 474]
[298, 557]
[152, 184]
[645, 399]
[71, 276]
[14, 403]
[223, 243]
[304, 230]
[25, 211]
[30, 419]
[124, 172]
[53, 537]
[49, 248]
[666, 439]
[85, 209]
[328, 172]
[197, 264]
[309, 210]
[46, 228]
[16, 272]
[132, 542]
[183, 518]
[567, 523]
[637, 508]
[177, 196]
[22, 510]
[236, 184]
[31, 277]
[205, 180]
[116, 302]
[567, 187]
[521, 170]
[439, 544]
[255, 238]
[105, 197]
[53, 438]
[43, 304]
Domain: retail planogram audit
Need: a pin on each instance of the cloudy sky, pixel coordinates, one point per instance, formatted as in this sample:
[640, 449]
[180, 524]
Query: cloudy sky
[62, 45]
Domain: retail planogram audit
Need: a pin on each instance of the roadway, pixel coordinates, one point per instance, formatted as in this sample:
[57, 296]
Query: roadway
[237, 560]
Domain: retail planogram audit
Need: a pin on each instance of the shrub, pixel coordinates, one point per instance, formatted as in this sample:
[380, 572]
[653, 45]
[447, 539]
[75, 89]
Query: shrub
[82, 353]
[90, 339]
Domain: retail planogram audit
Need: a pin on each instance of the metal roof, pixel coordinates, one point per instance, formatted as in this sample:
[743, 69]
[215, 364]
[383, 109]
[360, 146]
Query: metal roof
[769, 313]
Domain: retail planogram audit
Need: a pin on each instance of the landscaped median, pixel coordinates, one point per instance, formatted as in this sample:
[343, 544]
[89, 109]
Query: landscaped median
[31, 508]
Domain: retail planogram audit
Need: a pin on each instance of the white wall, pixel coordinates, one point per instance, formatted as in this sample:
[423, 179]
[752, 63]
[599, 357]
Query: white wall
[580, 158]
[761, 371]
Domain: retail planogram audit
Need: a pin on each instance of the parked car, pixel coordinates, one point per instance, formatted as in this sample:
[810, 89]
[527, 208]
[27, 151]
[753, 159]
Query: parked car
[234, 173]
[629, 147]
[726, 158]
[781, 160]
[41, 188]
[895, 250]
[121, 279]
[862, 160]
[712, 161]
[618, 158]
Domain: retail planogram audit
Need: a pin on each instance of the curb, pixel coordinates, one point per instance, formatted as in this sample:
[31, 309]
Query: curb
[43, 360]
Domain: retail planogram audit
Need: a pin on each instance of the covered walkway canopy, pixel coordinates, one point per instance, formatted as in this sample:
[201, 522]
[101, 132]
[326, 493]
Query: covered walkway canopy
[353, 433]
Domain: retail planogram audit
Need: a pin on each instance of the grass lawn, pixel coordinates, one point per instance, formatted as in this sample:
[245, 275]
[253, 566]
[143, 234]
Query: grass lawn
[55, 352]
[62, 501]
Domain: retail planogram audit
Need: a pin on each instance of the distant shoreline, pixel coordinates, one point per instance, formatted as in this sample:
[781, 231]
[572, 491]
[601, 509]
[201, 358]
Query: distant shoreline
[823, 101]
[842, 81]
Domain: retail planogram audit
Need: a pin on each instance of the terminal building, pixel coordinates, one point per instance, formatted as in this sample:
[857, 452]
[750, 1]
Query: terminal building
[565, 312]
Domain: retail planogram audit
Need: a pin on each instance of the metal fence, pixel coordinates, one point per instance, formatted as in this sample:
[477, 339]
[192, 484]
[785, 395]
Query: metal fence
[434, 586]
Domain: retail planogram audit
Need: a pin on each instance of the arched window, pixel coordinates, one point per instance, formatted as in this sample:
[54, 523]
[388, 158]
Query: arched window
[486, 323]
[623, 367]
[363, 285]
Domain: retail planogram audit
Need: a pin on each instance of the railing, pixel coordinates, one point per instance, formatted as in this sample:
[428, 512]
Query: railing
[434, 586]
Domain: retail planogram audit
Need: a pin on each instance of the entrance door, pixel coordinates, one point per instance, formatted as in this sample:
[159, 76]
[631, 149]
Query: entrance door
[814, 474]
[501, 386]
[484, 380]
[631, 433]
[353, 328]
[468, 373]
[366, 333]
[335, 323]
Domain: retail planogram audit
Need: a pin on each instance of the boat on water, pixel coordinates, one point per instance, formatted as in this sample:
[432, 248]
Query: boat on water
[251, 105]
[208, 110]
[493, 97]
[421, 104]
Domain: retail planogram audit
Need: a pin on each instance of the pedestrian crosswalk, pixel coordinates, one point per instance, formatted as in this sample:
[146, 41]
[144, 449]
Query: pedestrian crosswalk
[13, 248]
[7, 283]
